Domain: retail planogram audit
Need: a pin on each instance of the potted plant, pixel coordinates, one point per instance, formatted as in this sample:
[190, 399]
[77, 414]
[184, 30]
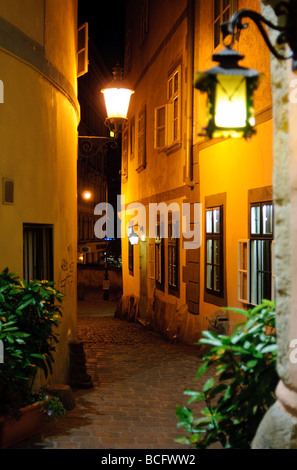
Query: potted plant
[29, 315]
[236, 399]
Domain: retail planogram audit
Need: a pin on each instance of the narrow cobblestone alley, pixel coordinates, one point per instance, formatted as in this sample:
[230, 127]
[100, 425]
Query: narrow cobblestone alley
[138, 379]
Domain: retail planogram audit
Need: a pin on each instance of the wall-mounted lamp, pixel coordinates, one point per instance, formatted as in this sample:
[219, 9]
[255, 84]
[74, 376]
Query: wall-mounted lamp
[133, 236]
[230, 90]
[229, 86]
[117, 98]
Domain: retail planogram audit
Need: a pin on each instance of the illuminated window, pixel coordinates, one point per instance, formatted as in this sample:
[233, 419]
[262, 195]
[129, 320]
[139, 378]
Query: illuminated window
[214, 251]
[261, 236]
[256, 277]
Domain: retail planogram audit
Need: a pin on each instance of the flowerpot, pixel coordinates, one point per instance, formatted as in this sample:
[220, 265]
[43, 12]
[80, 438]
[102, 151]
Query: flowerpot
[14, 430]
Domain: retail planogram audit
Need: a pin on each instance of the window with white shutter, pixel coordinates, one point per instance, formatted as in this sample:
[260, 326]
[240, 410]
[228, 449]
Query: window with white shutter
[82, 49]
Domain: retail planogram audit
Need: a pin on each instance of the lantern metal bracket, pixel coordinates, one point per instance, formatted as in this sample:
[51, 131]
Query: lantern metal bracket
[90, 146]
[287, 32]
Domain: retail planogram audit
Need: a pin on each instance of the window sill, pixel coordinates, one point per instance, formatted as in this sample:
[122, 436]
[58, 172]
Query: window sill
[215, 299]
[173, 148]
[141, 168]
[170, 149]
[173, 291]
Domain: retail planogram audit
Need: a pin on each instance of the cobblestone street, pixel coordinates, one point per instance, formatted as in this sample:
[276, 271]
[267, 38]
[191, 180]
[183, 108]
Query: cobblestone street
[138, 379]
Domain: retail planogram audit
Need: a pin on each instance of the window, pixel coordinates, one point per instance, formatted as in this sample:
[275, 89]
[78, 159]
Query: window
[132, 138]
[168, 117]
[174, 106]
[82, 50]
[160, 127]
[38, 252]
[214, 251]
[8, 191]
[222, 11]
[243, 278]
[256, 278]
[142, 140]
[173, 263]
[159, 260]
[130, 254]
[144, 22]
[125, 155]
[261, 236]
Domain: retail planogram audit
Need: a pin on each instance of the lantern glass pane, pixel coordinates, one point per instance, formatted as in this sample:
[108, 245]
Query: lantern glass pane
[230, 102]
[117, 102]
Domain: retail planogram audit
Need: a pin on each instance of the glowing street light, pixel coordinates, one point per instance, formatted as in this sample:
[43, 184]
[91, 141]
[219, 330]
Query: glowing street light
[117, 98]
[230, 90]
[87, 195]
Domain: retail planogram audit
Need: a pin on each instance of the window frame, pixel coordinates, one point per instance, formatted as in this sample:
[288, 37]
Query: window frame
[173, 253]
[125, 150]
[132, 138]
[158, 128]
[43, 243]
[212, 201]
[130, 255]
[214, 236]
[233, 6]
[173, 113]
[141, 139]
[159, 260]
[255, 237]
[82, 49]
[263, 239]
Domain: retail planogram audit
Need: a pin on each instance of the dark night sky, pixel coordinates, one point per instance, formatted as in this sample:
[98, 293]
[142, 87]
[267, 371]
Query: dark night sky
[106, 27]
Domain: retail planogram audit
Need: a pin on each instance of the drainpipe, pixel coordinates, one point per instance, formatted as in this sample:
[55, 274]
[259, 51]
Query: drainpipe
[190, 73]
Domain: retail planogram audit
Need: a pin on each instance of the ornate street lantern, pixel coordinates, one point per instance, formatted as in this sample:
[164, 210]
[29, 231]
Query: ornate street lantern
[117, 98]
[229, 86]
[230, 90]
[133, 238]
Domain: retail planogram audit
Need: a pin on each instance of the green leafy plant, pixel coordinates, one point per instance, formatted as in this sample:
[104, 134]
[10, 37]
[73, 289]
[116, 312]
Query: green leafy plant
[29, 314]
[240, 388]
[49, 404]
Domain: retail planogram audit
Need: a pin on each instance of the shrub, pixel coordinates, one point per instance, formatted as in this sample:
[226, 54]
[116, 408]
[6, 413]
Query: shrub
[245, 366]
[28, 317]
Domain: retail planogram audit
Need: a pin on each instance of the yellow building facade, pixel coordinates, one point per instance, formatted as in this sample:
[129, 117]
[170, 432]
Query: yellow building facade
[38, 163]
[181, 291]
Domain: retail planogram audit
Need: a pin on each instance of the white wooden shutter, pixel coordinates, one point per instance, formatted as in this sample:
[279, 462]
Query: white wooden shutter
[82, 49]
[151, 259]
[243, 271]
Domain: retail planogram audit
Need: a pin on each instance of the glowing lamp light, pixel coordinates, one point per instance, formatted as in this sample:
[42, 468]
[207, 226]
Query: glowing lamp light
[230, 90]
[117, 99]
[117, 102]
[87, 195]
[133, 238]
